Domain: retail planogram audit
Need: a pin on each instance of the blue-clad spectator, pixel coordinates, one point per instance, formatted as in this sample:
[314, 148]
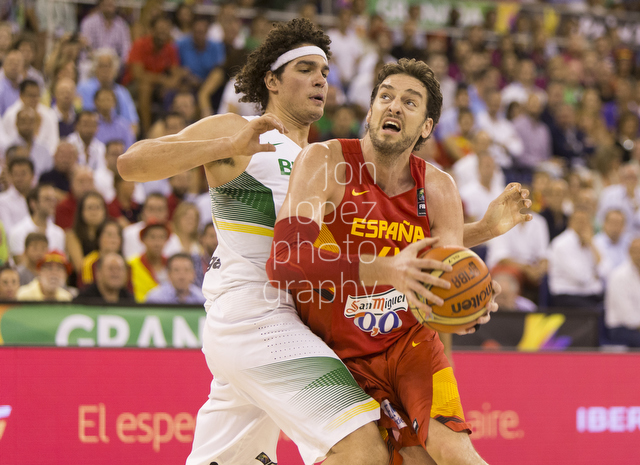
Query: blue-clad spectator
[198, 54]
[111, 126]
[10, 80]
[180, 288]
[105, 69]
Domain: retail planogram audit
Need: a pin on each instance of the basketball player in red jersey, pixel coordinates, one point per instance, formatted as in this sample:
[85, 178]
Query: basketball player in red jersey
[357, 215]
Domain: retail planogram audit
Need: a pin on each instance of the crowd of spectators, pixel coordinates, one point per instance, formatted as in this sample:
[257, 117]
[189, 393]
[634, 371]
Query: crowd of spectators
[538, 105]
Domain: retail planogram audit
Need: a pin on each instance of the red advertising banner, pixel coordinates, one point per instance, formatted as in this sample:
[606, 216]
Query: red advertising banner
[126, 406]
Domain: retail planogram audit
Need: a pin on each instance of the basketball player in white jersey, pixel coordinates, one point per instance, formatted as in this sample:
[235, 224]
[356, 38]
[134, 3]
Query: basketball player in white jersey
[270, 372]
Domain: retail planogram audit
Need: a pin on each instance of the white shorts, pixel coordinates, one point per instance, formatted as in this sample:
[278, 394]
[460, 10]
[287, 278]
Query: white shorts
[271, 373]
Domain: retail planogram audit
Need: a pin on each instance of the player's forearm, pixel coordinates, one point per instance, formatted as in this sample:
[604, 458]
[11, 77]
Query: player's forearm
[476, 233]
[375, 271]
[153, 159]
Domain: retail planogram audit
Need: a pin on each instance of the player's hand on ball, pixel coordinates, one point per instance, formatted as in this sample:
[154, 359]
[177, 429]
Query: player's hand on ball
[246, 142]
[410, 274]
[492, 306]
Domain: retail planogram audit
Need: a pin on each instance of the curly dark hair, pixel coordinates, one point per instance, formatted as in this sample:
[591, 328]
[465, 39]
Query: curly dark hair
[421, 71]
[281, 39]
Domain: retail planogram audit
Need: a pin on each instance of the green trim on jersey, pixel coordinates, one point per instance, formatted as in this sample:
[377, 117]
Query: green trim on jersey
[325, 386]
[244, 199]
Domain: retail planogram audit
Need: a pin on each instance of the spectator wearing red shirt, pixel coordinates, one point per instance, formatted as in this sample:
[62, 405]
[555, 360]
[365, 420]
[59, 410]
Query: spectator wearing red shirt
[81, 183]
[123, 208]
[154, 67]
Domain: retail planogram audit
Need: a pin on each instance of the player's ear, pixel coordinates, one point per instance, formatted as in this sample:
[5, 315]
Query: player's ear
[427, 128]
[368, 118]
[271, 81]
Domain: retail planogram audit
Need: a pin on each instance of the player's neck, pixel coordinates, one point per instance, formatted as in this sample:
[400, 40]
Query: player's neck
[298, 131]
[392, 173]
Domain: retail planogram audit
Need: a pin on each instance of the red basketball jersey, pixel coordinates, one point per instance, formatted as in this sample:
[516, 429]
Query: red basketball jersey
[354, 320]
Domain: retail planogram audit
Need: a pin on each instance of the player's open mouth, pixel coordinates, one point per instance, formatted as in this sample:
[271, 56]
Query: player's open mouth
[391, 125]
[318, 98]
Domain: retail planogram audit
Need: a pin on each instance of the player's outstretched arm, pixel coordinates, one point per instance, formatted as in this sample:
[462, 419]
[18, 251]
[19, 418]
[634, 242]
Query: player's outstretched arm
[208, 140]
[503, 214]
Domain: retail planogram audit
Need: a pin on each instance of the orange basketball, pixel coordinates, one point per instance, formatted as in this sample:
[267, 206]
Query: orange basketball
[468, 296]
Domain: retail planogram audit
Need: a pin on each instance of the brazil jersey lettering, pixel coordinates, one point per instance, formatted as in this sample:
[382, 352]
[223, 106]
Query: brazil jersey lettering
[244, 212]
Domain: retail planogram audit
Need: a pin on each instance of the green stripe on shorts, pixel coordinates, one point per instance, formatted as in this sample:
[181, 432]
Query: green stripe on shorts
[324, 385]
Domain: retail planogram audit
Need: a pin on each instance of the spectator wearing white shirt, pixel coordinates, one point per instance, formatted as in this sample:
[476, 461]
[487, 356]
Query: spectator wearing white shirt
[523, 252]
[439, 63]
[91, 151]
[65, 95]
[506, 143]
[555, 197]
[520, 90]
[622, 313]
[42, 206]
[46, 133]
[28, 47]
[478, 194]
[574, 280]
[154, 210]
[64, 162]
[347, 48]
[104, 177]
[226, 15]
[26, 122]
[465, 170]
[359, 92]
[13, 201]
[624, 196]
[612, 243]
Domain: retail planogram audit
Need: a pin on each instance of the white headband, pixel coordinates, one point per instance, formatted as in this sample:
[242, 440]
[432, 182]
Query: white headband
[297, 53]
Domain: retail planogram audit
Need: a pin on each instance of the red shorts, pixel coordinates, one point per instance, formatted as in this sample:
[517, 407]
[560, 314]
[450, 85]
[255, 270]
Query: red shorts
[413, 382]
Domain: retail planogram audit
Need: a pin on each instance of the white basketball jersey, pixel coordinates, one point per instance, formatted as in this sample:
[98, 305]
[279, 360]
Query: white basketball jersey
[244, 213]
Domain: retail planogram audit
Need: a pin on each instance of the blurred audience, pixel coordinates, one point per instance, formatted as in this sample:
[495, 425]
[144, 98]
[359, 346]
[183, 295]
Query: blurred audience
[149, 269]
[109, 240]
[179, 289]
[104, 28]
[574, 278]
[110, 286]
[622, 315]
[36, 246]
[9, 283]
[82, 237]
[52, 271]
[106, 66]
[612, 242]
[42, 206]
[13, 201]
[80, 183]
[46, 128]
[91, 151]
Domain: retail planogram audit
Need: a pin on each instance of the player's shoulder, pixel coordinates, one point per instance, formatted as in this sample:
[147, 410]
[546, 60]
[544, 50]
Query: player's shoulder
[437, 178]
[322, 153]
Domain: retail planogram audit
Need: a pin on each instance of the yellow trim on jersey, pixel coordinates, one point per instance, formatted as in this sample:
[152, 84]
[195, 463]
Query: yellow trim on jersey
[326, 241]
[244, 228]
[349, 414]
[446, 399]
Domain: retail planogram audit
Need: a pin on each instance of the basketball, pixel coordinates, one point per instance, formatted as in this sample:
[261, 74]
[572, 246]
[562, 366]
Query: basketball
[468, 296]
